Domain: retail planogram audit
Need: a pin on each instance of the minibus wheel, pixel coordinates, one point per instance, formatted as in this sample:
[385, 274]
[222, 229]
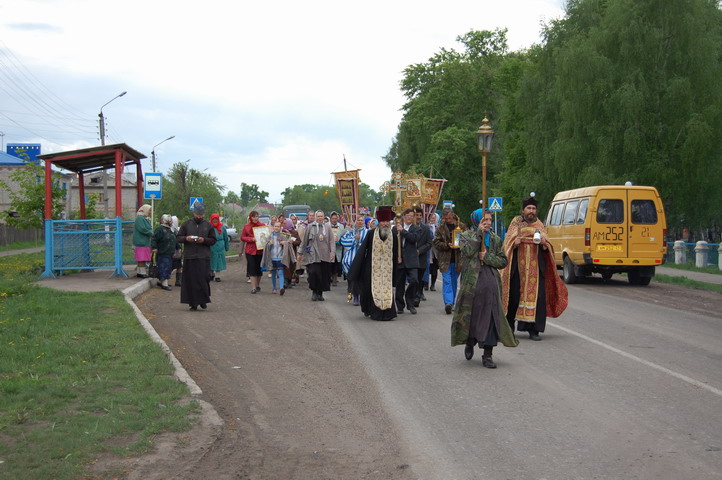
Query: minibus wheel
[568, 274]
[607, 275]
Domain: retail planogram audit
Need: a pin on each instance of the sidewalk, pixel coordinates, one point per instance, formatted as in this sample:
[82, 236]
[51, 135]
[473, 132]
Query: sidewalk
[697, 276]
[25, 250]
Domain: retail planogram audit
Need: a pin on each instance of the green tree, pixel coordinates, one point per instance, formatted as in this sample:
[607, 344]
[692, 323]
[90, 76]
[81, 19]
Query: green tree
[27, 196]
[251, 194]
[183, 182]
[318, 197]
[232, 197]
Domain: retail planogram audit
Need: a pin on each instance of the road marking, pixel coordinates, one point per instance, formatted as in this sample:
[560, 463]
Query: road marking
[684, 378]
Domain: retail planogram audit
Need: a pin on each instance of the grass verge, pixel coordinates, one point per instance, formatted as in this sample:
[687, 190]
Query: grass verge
[79, 376]
[686, 282]
[21, 245]
[714, 269]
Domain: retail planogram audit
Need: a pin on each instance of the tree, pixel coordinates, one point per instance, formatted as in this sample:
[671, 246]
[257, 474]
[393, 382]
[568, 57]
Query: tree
[232, 197]
[183, 182]
[27, 196]
[318, 197]
[250, 194]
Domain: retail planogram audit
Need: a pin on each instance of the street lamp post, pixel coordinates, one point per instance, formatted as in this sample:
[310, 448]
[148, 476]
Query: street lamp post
[101, 126]
[153, 167]
[484, 137]
[152, 153]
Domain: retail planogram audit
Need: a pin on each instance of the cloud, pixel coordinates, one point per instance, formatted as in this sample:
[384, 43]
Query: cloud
[35, 27]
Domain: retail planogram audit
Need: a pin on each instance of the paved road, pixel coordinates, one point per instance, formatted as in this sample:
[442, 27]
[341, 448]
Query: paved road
[617, 389]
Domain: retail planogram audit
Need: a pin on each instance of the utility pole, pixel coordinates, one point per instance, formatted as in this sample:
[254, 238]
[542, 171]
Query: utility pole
[101, 125]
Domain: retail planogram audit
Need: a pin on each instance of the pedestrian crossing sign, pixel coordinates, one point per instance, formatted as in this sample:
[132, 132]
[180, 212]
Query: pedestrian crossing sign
[496, 204]
[194, 200]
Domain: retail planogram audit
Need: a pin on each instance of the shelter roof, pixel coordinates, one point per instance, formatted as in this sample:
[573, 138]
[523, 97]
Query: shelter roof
[93, 159]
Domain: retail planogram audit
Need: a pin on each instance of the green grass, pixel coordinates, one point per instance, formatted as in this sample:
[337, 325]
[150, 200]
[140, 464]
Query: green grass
[714, 269]
[22, 245]
[78, 376]
[686, 282]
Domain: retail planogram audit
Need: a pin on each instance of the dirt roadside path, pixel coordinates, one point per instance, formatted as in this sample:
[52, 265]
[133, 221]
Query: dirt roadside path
[295, 401]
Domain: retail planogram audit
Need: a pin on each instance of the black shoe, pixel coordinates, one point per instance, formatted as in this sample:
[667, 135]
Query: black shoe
[432, 288]
[412, 309]
[320, 297]
[488, 362]
[166, 287]
[204, 306]
[426, 287]
[534, 336]
[282, 291]
[194, 308]
[255, 290]
[399, 311]
[422, 297]
[141, 275]
[314, 297]
[469, 352]
[218, 279]
[417, 302]
[258, 289]
[448, 309]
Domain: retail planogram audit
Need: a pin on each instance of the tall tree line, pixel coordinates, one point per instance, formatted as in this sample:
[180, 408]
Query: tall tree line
[618, 90]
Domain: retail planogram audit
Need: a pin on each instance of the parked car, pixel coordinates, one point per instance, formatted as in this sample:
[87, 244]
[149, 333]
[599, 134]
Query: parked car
[232, 234]
[264, 219]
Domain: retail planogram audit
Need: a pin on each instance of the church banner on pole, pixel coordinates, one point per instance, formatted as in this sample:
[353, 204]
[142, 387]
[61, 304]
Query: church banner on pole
[414, 190]
[347, 183]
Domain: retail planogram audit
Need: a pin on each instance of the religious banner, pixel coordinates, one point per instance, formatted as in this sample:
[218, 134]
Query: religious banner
[348, 193]
[414, 190]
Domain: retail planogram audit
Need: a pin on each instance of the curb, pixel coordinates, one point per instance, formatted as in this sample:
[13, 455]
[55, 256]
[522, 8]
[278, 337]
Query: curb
[181, 374]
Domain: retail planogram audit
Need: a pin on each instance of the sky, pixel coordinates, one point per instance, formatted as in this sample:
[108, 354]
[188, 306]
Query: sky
[267, 93]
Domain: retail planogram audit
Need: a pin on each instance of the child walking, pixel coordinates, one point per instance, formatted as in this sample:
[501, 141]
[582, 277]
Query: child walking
[273, 256]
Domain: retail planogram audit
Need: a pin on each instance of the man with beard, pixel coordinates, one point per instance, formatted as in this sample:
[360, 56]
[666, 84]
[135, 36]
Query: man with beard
[198, 235]
[531, 288]
[372, 270]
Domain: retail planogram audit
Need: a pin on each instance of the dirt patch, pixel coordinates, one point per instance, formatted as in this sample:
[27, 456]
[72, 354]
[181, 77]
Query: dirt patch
[293, 400]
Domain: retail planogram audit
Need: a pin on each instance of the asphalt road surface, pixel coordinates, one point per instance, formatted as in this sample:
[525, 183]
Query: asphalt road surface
[626, 384]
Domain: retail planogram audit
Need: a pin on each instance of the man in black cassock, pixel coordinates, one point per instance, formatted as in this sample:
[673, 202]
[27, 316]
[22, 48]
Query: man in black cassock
[198, 235]
[373, 269]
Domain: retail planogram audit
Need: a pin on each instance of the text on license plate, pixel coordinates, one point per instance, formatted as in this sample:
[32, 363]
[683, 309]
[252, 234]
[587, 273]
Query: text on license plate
[609, 248]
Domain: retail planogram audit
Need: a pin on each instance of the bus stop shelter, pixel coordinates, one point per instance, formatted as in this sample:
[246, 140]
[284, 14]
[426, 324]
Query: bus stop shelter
[88, 244]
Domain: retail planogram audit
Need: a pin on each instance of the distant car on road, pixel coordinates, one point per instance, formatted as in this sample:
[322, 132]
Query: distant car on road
[264, 219]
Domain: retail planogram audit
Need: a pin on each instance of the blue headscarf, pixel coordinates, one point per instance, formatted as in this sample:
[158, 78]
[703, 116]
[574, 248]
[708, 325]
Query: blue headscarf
[366, 221]
[476, 217]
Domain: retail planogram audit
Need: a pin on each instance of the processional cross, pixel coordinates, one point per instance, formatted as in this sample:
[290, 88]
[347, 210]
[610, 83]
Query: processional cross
[397, 187]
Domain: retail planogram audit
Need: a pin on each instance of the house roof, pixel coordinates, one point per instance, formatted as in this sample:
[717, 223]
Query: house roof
[93, 159]
[7, 159]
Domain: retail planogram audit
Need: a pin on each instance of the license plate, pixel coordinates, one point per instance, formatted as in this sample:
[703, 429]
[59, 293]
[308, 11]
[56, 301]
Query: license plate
[609, 248]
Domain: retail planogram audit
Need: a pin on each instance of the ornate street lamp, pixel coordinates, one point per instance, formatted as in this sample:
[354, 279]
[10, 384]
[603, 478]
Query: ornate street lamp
[484, 137]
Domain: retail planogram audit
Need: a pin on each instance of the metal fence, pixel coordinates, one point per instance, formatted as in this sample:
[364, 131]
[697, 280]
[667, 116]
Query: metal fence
[712, 253]
[88, 245]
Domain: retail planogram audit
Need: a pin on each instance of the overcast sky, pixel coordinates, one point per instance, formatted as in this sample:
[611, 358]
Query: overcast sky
[271, 93]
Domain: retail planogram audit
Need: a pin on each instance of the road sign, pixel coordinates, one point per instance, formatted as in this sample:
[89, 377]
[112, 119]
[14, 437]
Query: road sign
[194, 200]
[448, 204]
[496, 204]
[153, 187]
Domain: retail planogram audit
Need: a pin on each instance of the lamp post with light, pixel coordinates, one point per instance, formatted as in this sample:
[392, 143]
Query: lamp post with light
[484, 137]
[101, 126]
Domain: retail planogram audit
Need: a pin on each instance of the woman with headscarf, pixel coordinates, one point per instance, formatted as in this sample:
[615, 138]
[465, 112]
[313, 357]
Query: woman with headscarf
[164, 244]
[141, 240]
[478, 313]
[350, 242]
[178, 256]
[253, 254]
[289, 272]
[218, 251]
[199, 236]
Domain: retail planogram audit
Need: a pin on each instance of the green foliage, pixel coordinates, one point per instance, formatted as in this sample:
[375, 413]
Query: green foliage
[318, 197]
[251, 195]
[618, 90]
[232, 197]
[91, 204]
[27, 197]
[183, 182]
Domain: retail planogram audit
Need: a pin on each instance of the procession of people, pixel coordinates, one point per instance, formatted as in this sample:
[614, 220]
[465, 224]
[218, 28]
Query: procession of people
[491, 285]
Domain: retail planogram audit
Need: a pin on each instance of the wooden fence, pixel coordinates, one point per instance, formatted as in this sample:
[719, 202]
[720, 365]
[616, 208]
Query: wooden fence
[9, 234]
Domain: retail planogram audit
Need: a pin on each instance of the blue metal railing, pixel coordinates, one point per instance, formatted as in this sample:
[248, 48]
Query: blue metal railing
[87, 245]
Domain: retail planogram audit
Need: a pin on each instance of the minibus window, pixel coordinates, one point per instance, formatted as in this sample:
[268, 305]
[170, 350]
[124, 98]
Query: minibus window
[570, 213]
[610, 210]
[556, 216]
[644, 212]
[582, 214]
